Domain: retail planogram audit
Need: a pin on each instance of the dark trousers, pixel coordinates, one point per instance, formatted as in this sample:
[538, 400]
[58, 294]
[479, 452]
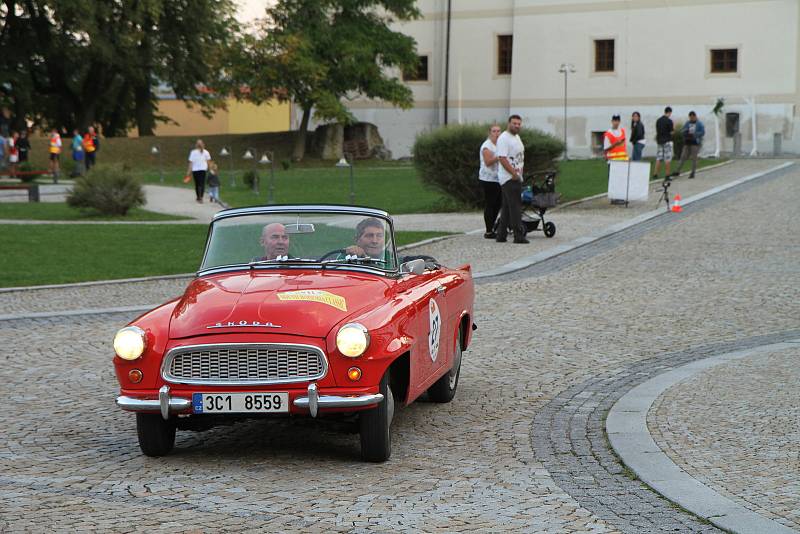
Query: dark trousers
[492, 202]
[89, 160]
[199, 183]
[689, 152]
[511, 212]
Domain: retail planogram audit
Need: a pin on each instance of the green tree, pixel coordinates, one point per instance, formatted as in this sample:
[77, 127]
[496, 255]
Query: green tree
[76, 62]
[318, 52]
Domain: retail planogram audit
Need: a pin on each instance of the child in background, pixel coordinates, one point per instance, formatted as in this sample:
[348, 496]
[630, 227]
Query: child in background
[212, 181]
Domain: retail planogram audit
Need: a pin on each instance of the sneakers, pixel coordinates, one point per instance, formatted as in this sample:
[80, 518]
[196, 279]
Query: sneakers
[490, 235]
[521, 240]
[691, 176]
[501, 239]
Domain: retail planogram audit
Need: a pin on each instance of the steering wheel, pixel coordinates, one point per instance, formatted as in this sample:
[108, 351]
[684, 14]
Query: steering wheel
[335, 252]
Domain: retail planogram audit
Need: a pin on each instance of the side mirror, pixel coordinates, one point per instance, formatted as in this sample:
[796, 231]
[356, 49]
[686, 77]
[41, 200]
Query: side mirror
[413, 267]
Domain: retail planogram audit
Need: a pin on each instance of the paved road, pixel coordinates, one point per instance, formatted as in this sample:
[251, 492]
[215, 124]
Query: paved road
[498, 458]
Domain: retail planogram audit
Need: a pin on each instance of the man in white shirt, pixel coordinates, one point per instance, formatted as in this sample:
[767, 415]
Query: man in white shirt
[198, 167]
[511, 155]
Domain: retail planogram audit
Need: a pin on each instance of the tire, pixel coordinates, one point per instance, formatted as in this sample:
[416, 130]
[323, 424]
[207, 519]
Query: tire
[549, 229]
[375, 427]
[444, 389]
[156, 436]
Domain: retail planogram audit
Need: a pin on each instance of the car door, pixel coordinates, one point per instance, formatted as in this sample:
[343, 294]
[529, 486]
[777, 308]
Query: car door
[431, 351]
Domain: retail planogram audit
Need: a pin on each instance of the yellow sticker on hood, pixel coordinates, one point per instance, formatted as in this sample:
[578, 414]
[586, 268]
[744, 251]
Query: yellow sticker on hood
[315, 295]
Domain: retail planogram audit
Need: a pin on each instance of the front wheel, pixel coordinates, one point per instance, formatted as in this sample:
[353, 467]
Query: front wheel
[444, 389]
[156, 436]
[549, 229]
[375, 427]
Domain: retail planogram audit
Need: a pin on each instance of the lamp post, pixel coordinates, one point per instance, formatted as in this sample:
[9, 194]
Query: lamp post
[344, 163]
[225, 153]
[566, 69]
[249, 155]
[155, 150]
[268, 158]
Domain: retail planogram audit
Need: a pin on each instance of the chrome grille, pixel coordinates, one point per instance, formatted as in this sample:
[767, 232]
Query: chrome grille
[244, 364]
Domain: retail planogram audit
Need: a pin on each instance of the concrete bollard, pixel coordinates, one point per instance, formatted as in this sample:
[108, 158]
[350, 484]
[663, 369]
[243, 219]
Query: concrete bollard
[737, 144]
[33, 193]
[777, 144]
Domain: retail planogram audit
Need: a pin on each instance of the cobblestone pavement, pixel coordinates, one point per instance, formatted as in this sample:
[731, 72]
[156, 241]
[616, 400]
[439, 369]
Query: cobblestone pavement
[70, 458]
[735, 429]
[581, 220]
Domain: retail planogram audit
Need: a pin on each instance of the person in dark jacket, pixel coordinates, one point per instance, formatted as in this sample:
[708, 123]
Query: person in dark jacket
[24, 146]
[637, 136]
[693, 133]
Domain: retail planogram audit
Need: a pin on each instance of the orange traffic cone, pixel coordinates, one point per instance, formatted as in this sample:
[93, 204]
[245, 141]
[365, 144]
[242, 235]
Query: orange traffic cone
[676, 205]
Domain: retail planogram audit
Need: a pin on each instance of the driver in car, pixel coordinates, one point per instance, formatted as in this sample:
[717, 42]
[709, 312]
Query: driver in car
[370, 239]
[275, 241]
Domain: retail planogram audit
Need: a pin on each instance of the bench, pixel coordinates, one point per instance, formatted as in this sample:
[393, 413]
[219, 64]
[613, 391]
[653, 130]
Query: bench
[33, 190]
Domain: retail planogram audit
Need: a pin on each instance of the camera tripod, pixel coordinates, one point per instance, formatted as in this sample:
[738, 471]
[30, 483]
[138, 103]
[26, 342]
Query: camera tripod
[665, 192]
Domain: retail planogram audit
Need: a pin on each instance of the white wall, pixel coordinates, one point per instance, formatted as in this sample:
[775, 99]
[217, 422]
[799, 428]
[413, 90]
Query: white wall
[662, 58]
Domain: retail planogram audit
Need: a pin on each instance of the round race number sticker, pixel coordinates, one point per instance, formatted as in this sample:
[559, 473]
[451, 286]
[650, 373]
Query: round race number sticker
[435, 329]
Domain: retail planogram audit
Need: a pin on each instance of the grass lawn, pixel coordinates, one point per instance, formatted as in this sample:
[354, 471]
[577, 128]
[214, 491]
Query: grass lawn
[583, 178]
[59, 211]
[395, 188]
[55, 254]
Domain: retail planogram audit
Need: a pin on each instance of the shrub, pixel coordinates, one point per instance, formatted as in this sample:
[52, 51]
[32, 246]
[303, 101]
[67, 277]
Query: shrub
[25, 167]
[677, 141]
[286, 164]
[107, 190]
[249, 178]
[448, 158]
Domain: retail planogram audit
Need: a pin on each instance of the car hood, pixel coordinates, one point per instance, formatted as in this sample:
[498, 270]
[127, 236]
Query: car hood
[284, 302]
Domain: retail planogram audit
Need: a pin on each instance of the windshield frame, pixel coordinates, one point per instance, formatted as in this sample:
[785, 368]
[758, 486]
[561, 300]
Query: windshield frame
[306, 209]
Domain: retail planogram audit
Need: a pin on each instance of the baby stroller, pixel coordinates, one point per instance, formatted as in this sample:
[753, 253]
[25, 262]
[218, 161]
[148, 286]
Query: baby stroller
[536, 199]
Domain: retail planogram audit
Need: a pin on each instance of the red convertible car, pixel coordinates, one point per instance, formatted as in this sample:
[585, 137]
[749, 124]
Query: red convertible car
[301, 311]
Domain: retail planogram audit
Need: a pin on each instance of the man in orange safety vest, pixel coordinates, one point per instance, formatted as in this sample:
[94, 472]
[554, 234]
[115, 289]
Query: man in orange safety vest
[615, 144]
[55, 153]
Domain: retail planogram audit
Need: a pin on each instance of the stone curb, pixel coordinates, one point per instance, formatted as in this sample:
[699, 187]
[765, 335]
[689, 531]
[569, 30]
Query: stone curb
[626, 426]
[528, 261]
[70, 313]
[98, 282]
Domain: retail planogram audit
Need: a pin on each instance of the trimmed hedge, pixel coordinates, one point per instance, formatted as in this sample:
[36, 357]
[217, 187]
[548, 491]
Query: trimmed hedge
[448, 158]
[107, 190]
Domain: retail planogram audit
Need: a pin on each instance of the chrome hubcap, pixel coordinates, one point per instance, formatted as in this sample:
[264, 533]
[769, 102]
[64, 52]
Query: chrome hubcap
[453, 378]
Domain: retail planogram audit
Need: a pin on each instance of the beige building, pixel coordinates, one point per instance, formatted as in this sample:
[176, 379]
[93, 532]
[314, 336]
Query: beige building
[628, 55]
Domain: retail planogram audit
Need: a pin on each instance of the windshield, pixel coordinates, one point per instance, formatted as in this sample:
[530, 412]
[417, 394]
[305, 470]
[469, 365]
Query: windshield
[294, 238]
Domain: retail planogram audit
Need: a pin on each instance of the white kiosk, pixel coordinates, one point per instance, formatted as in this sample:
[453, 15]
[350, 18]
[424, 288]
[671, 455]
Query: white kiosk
[628, 181]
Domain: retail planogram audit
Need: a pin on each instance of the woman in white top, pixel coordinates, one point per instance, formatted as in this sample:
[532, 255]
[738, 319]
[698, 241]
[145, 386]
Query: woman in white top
[492, 194]
[198, 167]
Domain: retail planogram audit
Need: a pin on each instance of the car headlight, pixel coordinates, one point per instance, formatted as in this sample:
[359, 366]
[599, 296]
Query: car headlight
[352, 340]
[129, 343]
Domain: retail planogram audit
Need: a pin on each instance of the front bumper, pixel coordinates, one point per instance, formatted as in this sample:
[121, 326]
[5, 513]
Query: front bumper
[313, 402]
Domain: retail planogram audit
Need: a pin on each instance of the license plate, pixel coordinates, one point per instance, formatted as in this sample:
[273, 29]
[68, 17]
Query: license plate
[240, 402]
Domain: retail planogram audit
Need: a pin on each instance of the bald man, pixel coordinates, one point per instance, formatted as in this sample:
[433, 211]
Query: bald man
[275, 241]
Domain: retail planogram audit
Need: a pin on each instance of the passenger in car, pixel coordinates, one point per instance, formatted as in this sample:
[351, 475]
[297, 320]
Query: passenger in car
[275, 241]
[370, 239]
